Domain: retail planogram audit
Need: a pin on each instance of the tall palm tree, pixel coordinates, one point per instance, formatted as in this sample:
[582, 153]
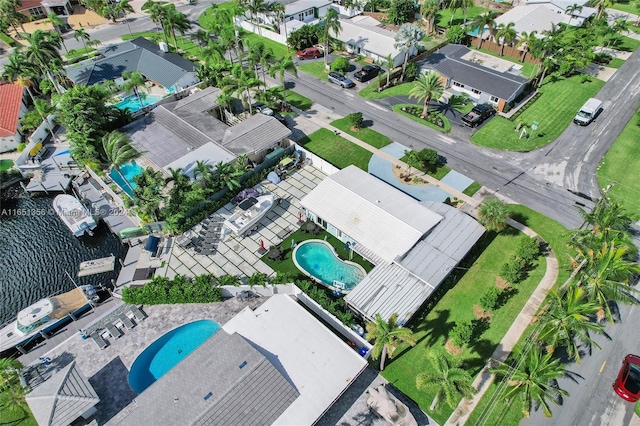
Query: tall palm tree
[9, 11]
[482, 21]
[493, 214]
[175, 20]
[387, 335]
[228, 175]
[534, 380]
[331, 24]
[453, 6]
[256, 7]
[506, 34]
[571, 10]
[134, 81]
[57, 24]
[452, 381]
[427, 86]
[240, 82]
[201, 37]
[42, 50]
[119, 151]
[408, 37]
[81, 34]
[260, 55]
[568, 322]
[157, 13]
[125, 7]
[465, 5]
[277, 11]
[429, 10]
[528, 42]
[281, 66]
[601, 5]
[148, 192]
[203, 172]
[389, 63]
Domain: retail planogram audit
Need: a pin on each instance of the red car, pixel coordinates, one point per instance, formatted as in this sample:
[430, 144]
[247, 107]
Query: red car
[310, 53]
[627, 384]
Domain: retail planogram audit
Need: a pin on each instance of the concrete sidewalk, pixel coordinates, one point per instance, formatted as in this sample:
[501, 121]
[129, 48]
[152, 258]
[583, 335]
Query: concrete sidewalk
[485, 378]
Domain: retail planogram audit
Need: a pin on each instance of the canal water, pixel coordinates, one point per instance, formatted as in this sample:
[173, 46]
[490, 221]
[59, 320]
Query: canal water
[36, 249]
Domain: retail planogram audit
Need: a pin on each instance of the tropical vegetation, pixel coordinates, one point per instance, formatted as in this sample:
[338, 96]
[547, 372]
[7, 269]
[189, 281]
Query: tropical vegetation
[387, 336]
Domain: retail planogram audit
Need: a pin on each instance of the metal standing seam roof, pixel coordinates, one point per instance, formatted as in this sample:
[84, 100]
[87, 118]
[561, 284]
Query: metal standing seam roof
[448, 62]
[254, 134]
[225, 381]
[10, 101]
[373, 39]
[404, 286]
[371, 212]
[296, 7]
[198, 102]
[62, 398]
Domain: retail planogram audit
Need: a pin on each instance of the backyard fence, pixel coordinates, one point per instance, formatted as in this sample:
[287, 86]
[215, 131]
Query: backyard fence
[317, 161]
[509, 51]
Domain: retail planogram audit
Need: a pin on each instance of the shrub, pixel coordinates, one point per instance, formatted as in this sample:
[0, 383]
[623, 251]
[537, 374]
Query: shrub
[411, 71]
[401, 11]
[429, 157]
[462, 332]
[21, 146]
[514, 270]
[161, 290]
[489, 299]
[258, 278]
[528, 249]
[340, 64]
[355, 119]
[456, 35]
[303, 37]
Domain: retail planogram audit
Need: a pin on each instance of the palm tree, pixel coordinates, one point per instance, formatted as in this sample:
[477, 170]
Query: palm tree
[148, 191]
[571, 10]
[277, 11]
[387, 335]
[493, 214]
[57, 23]
[228, 175]
[157, 13]
[134, 82]
[240, 82]
[408, 37]
[9, 10]
[465, 5]
[427, 86]
[175, 21]
[601, 5]
[451, 380]
[203, 172]
[255, 7]
[534, 380]
[389, 63]
[528, 42]
[482, 21]
[281, 67]
[42, 51]
[119, 151]
[506, 34]
[569, 322]
[453, 6]
[429, 10]
[331, 24]
[9, 376]
[201, 37]
[81, 34]
[259, 54]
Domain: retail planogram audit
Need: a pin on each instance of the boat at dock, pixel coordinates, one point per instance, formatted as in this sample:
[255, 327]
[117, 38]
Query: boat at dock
[248, 213]
[97, 266]
[74, 214]
[46, 315]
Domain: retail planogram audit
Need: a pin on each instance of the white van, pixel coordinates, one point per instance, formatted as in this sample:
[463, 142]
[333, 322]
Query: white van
[588, 112]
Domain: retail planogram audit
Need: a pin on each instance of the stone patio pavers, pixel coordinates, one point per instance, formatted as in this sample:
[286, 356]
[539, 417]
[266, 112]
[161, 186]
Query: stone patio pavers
[198, 270]
[216, 270]
[247, 270]
[231, 269]
[184, 270]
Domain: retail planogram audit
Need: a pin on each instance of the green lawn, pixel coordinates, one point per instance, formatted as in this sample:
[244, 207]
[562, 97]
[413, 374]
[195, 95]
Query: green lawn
[370, 92]
[615, 63]
[528, 70]
[622, 157]
[447, 125]
[205, 18]
[6, 39]
[298, 101]
[625, 6]
[279, 50]
[8, 417]
[444, 16]
[316, 69]
[472, 189]
[5, 165]
[624, 43]
[336, 149]
[370, 136]
[74, 53]
[463, 290]
[553, 111]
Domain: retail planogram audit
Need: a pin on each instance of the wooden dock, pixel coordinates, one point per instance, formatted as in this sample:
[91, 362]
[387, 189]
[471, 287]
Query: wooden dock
[97, 266]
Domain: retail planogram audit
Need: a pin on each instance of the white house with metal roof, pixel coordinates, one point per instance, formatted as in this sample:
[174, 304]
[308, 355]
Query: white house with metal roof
[540, 16]
[414, 245]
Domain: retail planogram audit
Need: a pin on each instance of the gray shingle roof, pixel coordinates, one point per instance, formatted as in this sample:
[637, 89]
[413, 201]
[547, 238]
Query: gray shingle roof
[254, 134]
[62, 398]
[137, 54]
[447, 61]
[225, 381]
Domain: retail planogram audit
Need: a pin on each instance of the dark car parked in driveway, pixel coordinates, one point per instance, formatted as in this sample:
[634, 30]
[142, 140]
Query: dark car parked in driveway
[478, 115]
[367, 73]
[627, 385]
[341, 80]
[310, 53]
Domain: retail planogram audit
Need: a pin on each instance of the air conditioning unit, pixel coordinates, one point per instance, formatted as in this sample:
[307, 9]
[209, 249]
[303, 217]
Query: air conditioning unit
[163, 46]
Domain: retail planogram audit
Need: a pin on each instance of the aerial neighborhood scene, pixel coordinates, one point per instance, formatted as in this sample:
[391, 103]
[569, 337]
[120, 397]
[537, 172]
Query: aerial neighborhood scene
[319, 212]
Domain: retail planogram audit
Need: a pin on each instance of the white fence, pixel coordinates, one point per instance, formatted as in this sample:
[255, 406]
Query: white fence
[42, 131]
[280, 38]
[318, 162]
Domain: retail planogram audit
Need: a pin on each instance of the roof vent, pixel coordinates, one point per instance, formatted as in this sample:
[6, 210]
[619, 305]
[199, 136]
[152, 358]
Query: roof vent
[163, 46]
[241, 366]
[207, 396]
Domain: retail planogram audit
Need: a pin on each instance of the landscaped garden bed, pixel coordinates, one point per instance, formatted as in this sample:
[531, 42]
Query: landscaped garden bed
[370, 136]
[434, 119]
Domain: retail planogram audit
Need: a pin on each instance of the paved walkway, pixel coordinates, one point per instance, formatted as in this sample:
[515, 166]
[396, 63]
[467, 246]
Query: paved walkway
[513, 335]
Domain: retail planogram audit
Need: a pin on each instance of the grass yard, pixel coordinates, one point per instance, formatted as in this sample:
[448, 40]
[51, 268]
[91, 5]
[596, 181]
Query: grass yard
[298, 101]
[472, 189]
[370, 92]
[615, 63]
[336, 149]
[444, 16]
[463, 289]
[440, 172]
[8, 417]
[625, 6]
[206, 17]
[528, 70]
[554, 111]
[74, 53]
[447, 125]
[7, 40]
[316, 69]
[623, 156]
[279, 50]
[5, 165]
[624, 43]
[370, 136]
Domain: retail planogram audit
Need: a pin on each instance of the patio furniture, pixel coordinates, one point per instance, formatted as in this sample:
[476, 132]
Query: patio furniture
[100, 342]
[138, 313]
[113, 331]
[126, 321]
[275, 253]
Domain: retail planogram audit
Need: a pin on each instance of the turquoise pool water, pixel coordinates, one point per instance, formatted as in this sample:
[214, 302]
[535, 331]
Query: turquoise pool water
[133, 104]
[317, 258]
[167, 352]
[474, 32]
[129, 171]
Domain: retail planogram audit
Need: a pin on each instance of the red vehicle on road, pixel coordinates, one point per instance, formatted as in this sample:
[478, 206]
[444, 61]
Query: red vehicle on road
[627, 385]
[310, 53]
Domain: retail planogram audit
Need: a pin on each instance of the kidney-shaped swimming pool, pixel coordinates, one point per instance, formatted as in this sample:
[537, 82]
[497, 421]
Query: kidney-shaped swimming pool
[167, 352]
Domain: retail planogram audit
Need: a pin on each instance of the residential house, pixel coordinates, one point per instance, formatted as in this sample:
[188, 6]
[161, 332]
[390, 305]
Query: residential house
[490, 80]
[541, 16]
[12, 108]
[178, 134]
[37, 9]
[154, 62]
[414, 245]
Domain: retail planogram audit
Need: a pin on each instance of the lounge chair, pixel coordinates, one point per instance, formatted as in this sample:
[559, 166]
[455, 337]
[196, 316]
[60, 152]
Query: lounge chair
[113, 331]
[138, 313]
[101, 343]
[126, 321]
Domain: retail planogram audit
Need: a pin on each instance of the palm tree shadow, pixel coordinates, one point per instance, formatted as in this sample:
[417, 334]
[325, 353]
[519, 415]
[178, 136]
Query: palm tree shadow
[436, 328]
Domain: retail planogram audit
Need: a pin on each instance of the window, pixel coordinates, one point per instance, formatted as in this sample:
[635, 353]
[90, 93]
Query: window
[455, 83]
[494, 99]
[36, 11]
[308, 12]
[322, 223]
[476, 91]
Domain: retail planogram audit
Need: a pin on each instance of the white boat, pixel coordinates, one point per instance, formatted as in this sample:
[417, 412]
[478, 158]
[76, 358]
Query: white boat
[248, 213]
[74, 214]
[46, 315]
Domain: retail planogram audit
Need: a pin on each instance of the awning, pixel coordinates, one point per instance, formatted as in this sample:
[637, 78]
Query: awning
[152, 243]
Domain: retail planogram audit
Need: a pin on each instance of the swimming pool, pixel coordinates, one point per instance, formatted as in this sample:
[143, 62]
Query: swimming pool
[167, 352]
[129, 171]
[475, 31]
[317, 259]
[133, 104]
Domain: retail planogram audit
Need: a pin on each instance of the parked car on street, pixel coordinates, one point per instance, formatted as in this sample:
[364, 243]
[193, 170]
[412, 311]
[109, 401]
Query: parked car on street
[367, 73]
[627, 385]
[478, 115]
[341, 80]
[310, 53]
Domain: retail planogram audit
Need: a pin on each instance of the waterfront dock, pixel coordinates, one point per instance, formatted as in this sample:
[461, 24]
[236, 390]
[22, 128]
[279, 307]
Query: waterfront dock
[97, 266]
[54, 172]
